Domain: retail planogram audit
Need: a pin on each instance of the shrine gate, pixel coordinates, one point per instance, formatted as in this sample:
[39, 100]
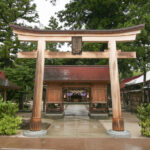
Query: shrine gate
[77, 37]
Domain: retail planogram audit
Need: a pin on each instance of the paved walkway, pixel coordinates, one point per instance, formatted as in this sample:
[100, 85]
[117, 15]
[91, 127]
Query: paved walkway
[76, 123]
[76, 126]
[76, 110]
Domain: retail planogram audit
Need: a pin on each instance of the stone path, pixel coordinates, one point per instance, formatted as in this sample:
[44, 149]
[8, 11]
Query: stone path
[76, 126]
[76, 123]
[76, 110]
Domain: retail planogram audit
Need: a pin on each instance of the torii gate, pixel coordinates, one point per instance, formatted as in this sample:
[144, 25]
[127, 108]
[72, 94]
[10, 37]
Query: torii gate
[108, 36]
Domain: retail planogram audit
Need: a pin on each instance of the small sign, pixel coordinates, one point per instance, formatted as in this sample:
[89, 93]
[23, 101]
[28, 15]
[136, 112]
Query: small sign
[76, 45]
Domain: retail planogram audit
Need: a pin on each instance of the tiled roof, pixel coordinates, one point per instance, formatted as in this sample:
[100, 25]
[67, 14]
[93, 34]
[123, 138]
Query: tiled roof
[5, 83]
[124, 81]
[139, 80]
[2, 74]
[77, 73]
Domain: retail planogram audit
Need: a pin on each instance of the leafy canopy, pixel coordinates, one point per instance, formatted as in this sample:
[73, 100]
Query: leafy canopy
[12, 11]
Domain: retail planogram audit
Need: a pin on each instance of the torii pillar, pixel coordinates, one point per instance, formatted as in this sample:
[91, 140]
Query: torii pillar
[100, 36]
[117, 120]
[35, 124]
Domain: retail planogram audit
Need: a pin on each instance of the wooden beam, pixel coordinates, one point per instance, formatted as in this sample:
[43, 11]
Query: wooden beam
[120, 35]
[126, 54]
[86, 55]
[91, 39]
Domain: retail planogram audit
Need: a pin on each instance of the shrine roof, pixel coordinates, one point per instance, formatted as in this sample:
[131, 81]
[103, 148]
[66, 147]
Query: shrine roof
[139, 80]
[5, 83]
[77, 73]
[124, 81]
[2, 74]
[110, 31]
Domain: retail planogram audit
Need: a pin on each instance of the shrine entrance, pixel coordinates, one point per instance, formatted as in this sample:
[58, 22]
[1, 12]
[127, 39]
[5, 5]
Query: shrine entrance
[76, 109]
[76, 101]
[77, 37]
[76, 95]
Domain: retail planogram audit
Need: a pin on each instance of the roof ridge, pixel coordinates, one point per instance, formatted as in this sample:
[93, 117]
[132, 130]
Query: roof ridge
[103, 31]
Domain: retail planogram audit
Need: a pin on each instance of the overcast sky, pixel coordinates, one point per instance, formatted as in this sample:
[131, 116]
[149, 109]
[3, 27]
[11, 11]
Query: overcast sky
[46, 10]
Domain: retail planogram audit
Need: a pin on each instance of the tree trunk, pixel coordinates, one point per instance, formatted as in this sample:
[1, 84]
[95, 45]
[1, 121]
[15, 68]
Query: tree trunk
[144, 99]
[21, 101]
[5, 95]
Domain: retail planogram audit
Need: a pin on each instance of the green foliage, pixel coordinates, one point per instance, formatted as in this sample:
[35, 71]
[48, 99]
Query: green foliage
[93, 14]
[8, 109]
[12, 11]
[22, 73]
[9, 122]
[144, 117]
[9, 125]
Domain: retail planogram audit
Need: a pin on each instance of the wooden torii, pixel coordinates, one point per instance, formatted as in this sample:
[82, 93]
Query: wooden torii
[104, 36]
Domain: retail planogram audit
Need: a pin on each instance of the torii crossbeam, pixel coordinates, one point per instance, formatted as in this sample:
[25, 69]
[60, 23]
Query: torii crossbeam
[85, 55]
[100, 36]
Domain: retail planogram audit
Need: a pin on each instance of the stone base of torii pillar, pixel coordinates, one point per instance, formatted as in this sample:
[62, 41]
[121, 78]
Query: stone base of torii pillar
[29, 133]
[119, 134]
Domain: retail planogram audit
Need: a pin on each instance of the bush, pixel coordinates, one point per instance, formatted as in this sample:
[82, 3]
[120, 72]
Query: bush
[144, 117]
[9, 122]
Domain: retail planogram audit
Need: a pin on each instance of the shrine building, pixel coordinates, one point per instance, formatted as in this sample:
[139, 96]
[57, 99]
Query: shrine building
[77, 85]
[6, 85]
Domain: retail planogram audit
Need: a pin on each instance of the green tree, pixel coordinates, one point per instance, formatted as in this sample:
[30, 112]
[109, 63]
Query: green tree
[93, 14]
[12, 11]
[139, 13]
[22, 74]
[18, 71]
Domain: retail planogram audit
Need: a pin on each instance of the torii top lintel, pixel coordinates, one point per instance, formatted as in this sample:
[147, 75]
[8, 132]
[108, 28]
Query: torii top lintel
[118, 35]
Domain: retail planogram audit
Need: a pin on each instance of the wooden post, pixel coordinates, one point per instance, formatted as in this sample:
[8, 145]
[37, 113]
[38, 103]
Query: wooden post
[35, 124]
[117, 122]
[5, 95]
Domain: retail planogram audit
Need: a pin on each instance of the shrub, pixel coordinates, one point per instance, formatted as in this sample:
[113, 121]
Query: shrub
[8, 109]
[144, 117]
[9, 122]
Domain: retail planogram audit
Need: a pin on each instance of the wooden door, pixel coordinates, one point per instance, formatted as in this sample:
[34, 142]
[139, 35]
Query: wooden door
[54, 93]
[99, 93]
